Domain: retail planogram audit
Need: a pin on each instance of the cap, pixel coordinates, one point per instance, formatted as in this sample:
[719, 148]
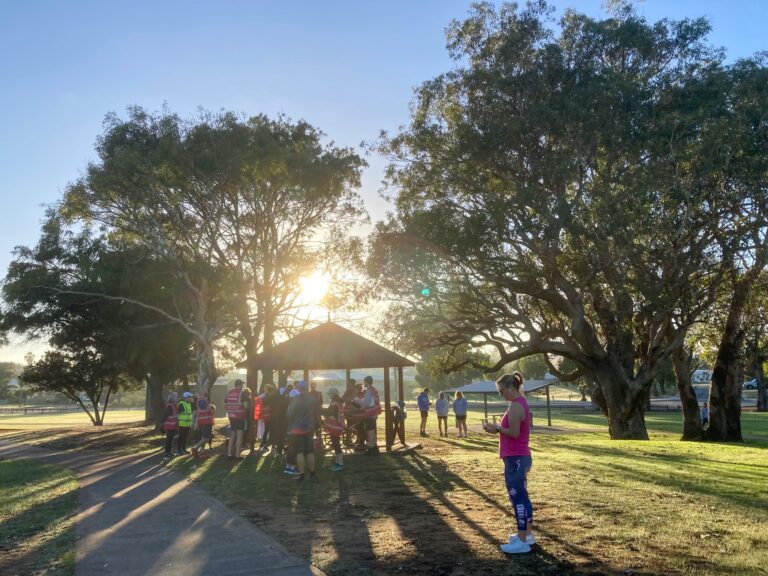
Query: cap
[187, 395]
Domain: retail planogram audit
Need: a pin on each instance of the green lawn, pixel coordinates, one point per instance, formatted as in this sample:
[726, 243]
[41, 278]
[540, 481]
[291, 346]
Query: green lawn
[602, 506]
[37, 527]
[66, 419]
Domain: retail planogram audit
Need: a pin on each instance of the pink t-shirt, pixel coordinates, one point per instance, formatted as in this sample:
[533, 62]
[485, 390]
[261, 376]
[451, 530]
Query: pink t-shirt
[509, 446]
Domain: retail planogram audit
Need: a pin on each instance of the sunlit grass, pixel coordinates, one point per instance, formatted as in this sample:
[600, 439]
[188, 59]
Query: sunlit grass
[37, 503]
[65, 419]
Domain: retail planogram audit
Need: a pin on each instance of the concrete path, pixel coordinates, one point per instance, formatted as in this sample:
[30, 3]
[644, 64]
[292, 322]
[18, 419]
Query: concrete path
[137, 517]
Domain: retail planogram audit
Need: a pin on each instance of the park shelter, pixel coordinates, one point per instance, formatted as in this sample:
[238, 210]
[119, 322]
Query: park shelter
[486, 387]
[333, 347]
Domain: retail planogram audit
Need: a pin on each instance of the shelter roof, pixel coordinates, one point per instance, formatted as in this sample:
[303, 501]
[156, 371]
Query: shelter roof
[489, 386]
[327, 347]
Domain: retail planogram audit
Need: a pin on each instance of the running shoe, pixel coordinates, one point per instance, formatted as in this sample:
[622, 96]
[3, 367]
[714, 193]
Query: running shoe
[515, 547]
[336, 468]
[530, 539]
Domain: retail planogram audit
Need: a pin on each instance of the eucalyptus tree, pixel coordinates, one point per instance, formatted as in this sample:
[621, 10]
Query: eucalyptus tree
[553, 192]
[242, 206]
[74, 288]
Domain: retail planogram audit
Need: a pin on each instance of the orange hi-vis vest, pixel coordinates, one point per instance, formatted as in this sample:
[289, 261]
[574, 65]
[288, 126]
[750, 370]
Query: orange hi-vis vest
[205, 417]
[172, 421]
[333, 425]
[235, 409]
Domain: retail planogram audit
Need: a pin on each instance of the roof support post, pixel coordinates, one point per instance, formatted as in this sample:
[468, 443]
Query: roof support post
[485, 404]
[549, 411]
[389, 429]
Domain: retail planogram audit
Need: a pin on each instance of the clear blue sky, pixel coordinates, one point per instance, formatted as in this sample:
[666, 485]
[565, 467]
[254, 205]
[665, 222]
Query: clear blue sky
[348, 67]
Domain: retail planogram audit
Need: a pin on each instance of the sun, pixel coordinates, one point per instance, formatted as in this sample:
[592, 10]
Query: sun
[314, 287]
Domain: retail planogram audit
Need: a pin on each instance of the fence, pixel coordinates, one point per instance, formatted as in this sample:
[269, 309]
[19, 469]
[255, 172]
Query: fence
[38, 409]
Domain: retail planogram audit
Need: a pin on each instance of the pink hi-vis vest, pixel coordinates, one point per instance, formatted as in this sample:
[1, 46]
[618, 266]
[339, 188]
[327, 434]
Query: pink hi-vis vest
[172, 421]
[335, 426]
[205, 417]
[235, 409]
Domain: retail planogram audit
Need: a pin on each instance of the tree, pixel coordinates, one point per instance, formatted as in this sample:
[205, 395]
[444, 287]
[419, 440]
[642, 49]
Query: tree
[556, 194]
[83, 376]
[73, 289]
[242, 207]
[432, 370]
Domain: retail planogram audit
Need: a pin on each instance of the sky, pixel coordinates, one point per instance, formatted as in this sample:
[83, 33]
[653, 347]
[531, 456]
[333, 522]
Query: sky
[348, 67]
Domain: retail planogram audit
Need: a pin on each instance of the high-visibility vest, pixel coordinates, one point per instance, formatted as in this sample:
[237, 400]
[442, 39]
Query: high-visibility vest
[375, 410]
[257, 403]
[205, 416]
[185, 414]
[171, 422]
[235, 409]
[335, 425]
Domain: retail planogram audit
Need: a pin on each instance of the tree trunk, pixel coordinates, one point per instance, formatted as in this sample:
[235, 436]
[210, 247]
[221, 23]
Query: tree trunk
[762, 392]
[725, 392]
[206, 367]
[154, 408]
[681, 362]
[625, 408]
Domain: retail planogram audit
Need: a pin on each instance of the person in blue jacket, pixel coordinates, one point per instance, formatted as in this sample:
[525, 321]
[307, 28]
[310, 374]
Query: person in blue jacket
[423, 403]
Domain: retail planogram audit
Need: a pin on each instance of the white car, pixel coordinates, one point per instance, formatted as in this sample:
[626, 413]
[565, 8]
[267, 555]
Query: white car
[751, 385]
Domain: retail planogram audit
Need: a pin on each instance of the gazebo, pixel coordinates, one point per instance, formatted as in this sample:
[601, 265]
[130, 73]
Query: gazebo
[333, 347]
[488, 387]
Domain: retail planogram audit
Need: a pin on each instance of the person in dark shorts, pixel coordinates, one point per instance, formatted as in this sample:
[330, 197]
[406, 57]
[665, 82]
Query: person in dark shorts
[372, 409]
[423, 402]
[301, 426]
[460, 409]
[441, 408]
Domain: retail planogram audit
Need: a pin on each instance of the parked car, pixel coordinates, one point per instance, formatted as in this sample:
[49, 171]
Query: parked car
[751, 385]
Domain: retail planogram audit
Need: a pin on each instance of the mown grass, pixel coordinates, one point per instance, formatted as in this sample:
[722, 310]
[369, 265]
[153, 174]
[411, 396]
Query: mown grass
[602, 506]
[65, 419]
[37, 526]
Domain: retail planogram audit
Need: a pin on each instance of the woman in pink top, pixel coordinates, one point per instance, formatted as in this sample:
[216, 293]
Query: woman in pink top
[513, 432]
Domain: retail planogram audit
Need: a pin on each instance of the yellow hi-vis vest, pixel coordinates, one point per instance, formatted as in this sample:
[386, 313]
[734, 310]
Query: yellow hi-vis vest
[185, 414]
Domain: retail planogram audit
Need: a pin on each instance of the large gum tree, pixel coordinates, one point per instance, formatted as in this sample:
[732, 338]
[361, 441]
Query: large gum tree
[556, 194]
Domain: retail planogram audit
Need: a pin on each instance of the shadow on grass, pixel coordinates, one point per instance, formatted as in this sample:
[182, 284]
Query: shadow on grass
[392, 514]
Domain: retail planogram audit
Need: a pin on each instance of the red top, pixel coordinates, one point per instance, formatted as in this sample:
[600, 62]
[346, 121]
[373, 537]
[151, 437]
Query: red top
[509, 446]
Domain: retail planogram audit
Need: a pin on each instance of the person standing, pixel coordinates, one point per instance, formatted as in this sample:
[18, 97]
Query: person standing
[705, 415]
[318, 396]
[399, 414]
[268, 392]
[371, 411]
[236, 415]
[334, 426]
[441, 408]
[170, 423]
[204, 419]
[423, 402]
[460, 410]
[248, 431]
[301, 427]
[278, 422]
[514, 433]
[185, 421]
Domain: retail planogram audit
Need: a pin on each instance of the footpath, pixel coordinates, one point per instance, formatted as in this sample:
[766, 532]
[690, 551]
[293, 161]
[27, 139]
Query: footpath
[136, 517]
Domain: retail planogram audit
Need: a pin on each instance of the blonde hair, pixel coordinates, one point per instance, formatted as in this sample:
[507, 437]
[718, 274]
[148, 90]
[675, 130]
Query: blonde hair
[514, 380]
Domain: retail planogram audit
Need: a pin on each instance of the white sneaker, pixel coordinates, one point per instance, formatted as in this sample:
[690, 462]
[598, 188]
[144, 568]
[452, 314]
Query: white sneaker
[515, 547]
[530, 539]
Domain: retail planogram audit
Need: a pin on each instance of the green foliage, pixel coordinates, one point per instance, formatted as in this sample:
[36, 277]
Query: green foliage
[544, 183]
[432, 371]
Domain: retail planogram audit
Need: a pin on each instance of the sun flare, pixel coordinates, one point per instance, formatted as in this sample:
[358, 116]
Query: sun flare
[314, 287]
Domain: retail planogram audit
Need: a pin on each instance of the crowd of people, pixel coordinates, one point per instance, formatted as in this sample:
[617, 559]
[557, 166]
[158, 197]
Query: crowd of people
[291, 420]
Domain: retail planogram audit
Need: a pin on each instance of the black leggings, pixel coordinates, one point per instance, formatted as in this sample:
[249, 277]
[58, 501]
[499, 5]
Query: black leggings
[169, 434]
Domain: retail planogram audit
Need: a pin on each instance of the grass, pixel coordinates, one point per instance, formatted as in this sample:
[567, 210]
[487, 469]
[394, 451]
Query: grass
[37, 527]
[66, 419]
[602, 506]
